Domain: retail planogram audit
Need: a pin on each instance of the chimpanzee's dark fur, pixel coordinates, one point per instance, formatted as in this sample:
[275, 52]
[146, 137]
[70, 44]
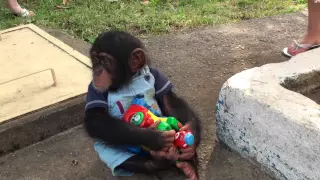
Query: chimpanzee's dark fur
[116, 47]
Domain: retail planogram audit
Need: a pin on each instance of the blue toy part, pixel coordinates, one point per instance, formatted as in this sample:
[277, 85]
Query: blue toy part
[137, 150]
[139, 100]
[189, 139]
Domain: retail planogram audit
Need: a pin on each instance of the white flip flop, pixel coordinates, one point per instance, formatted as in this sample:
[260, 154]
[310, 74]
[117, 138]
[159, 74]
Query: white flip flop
[307, 47]
[24, 13]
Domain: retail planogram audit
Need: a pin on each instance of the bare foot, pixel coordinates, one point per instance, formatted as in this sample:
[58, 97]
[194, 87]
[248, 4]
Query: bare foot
[308, 42]
[188, 170]
[311, 39]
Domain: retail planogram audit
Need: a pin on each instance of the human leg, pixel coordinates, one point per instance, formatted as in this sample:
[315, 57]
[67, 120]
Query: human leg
[312, 37]
[313, 34]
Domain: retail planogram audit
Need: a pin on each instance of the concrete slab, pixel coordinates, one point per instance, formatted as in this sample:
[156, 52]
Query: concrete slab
[37, 71]
[263, 115]
[68, 155]
[39, 96]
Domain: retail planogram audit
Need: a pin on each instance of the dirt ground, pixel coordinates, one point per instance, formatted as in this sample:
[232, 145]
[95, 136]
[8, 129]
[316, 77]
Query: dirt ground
[198, 62]
[315, 95]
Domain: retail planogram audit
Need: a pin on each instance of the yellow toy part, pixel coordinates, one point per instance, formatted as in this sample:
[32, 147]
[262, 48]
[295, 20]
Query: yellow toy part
[155, 118]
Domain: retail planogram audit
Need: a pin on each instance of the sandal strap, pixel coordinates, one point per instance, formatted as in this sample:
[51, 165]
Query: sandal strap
[305, 46]
[24, 13]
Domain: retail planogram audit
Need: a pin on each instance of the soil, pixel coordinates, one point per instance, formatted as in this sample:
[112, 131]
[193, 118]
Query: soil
[314, 95]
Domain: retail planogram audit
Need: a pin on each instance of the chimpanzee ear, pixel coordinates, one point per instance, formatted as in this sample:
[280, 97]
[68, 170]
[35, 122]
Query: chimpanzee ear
[137, 59]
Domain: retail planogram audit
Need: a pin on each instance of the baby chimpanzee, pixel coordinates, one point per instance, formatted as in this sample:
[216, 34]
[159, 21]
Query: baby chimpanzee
[121, 71]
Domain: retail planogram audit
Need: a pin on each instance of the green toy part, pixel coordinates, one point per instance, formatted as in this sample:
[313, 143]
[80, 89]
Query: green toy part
[137, 118]
[173, 122]
[164, 126]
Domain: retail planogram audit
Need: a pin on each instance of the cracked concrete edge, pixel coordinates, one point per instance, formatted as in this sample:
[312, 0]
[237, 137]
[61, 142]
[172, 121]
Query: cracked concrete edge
[265, 122]
[64, 47]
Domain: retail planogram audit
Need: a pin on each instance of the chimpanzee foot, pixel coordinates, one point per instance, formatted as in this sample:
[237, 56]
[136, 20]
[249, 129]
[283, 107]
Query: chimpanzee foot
[188, 169]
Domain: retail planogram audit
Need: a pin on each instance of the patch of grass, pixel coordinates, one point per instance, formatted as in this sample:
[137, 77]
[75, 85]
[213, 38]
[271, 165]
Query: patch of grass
[87, 18]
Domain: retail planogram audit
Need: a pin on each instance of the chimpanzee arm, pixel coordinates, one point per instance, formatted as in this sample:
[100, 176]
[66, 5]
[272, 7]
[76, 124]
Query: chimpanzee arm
[172, 105]
[99, 124]
[175, 106]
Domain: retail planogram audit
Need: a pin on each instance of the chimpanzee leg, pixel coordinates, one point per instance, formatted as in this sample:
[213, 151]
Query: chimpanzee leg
[142, 164]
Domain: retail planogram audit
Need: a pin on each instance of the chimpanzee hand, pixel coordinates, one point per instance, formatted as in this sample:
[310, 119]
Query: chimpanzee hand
[188, 153]
[165, 139]
[171, 154]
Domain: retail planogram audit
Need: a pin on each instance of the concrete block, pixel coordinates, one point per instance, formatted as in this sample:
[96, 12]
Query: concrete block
[38, 70]
[43, 84]
[266, 114]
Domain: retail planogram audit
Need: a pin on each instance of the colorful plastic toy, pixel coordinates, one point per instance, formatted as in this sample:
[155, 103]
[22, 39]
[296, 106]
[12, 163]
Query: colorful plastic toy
[142, 117]
[141, 114]
[183, 139]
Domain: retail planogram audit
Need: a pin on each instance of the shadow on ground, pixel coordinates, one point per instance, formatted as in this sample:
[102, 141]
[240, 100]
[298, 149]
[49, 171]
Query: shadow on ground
[198, 63]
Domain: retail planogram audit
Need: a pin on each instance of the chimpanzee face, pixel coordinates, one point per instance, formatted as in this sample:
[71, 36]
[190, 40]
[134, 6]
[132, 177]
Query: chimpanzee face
[105, 71]
[115, 57]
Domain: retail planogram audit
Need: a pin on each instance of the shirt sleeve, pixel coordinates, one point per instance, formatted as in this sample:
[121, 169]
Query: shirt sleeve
[95, 98]
[162, 85]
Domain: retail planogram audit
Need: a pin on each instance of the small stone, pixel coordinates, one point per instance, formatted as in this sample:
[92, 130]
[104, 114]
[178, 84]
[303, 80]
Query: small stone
[74, 162]
[42, 151]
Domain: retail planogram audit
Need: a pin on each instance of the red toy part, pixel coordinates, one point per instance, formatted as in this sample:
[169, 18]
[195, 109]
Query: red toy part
[180, 140]
[132, 110]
